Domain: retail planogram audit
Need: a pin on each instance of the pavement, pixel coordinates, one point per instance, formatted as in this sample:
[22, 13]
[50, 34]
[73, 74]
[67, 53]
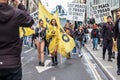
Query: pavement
[110, 68]
[73, 69]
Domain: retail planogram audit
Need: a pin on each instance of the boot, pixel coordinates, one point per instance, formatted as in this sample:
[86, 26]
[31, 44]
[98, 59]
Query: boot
[53, 61]
[39, 63]
[56, 61]
[109, 58]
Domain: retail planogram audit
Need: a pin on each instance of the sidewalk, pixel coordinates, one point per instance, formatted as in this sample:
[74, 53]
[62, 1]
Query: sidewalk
[110, 68]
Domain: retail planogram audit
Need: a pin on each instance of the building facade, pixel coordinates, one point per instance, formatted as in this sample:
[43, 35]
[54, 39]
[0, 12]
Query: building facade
[31, 5]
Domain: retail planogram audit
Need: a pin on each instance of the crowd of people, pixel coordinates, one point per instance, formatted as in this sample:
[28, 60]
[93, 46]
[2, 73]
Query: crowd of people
[100, 35]
[106, 36]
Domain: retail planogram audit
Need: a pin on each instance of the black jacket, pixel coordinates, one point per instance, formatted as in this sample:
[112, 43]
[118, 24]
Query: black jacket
[10, 43]
[95, 33]
[116, 30]
[79, 35]
[108, 31]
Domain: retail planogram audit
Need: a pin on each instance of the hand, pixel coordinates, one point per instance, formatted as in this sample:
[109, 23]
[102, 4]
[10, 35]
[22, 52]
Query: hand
[16, 2]
[53, 32]
[101, 39]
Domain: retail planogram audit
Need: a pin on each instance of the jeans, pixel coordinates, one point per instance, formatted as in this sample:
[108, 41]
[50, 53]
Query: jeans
[86, 38]
[79, 45]
[11, 74]
[95, 43]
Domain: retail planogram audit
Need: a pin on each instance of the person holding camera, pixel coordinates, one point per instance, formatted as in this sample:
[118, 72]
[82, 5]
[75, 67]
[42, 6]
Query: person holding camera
[10, 43]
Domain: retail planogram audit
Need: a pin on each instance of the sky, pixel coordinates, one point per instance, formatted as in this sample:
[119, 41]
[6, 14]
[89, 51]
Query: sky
[52, 3]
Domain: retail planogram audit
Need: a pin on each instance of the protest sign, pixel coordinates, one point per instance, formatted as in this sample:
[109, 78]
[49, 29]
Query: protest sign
[100, 11]
[76, 11]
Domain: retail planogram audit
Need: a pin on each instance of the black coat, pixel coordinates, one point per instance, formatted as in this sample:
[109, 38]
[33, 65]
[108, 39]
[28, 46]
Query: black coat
[79, 35]
[108, 31]
[116, 30]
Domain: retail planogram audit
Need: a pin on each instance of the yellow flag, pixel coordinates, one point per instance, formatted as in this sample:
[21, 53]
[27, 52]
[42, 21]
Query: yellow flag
[21, 32]
[66, 43]
[105, 18]
[44, 15]
[26, 31]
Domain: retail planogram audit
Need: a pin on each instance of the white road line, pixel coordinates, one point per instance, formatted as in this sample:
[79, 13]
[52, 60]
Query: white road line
[22, 58]
[47, 62]
[53, 78]
[41, 69]
[29, 50]
[92, 68]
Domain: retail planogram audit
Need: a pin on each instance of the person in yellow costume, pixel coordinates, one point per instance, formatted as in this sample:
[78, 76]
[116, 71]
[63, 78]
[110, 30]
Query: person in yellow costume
[53, 46]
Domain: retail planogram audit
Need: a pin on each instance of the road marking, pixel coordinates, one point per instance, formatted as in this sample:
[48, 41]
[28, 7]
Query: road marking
[53, 78]
[47, 62]
[29, 50]
[41, 69]
[92, 68]
[110, 67]
[103, 67]
[28, 61]
[22, 58]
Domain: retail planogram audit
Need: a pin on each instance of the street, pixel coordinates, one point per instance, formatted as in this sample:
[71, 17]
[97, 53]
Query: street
[73, 69]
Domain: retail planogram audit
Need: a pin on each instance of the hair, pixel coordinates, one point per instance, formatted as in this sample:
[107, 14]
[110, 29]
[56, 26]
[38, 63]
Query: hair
[40, 20]
[109, 17]
[118, 9]
[55, 22]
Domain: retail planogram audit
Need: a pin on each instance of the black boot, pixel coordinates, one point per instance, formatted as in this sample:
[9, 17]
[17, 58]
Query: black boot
[42, 64]
[53, 61]
[56, 61]
[104, 51]
[39, 63]
[109, 58]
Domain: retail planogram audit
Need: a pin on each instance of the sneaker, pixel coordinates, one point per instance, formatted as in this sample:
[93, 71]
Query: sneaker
[80, 55]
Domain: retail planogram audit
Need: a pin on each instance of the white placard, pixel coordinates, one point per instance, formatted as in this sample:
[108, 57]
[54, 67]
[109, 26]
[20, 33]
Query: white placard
[100, 11]
[35, 17]
[76, 11]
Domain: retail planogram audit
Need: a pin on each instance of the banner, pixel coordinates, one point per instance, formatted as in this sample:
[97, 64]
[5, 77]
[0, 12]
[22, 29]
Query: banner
[100, 11]
[35, 18]
[76, 11]
[65, 42]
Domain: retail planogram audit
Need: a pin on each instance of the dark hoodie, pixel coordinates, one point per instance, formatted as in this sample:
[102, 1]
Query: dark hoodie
[10, 44]
[108, 29]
